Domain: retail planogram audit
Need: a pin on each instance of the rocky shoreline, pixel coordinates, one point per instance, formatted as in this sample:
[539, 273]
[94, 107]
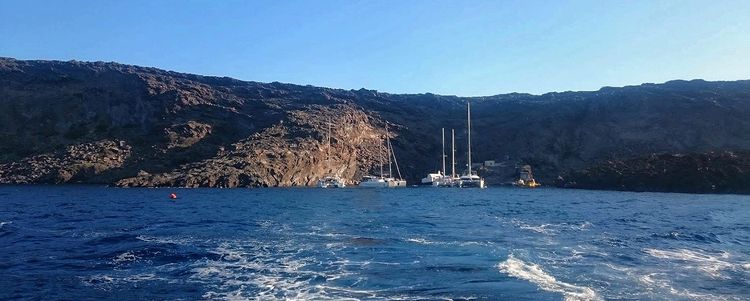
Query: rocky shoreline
[712, 172]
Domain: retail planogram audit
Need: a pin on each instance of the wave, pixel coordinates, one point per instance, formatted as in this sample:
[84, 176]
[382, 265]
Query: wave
[713, 265]
[128, 256]
[252, 270]
[693, 237]
[106, 282]
[423, 241]
[165, 240]
[551, 229]
[263, 273]
[662, 282]
[657, 280]
[4, 223]
[533, 273]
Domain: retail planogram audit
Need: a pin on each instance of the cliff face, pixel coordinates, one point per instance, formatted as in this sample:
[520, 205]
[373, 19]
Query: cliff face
[717, 172]
[110, 123]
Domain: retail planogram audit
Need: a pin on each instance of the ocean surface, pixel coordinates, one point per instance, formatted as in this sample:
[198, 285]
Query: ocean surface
[98, 243]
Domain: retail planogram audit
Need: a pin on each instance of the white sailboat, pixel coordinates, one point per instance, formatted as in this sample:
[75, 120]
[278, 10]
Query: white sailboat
[382, 181]
[393, 182]
[470, 178]
[331, 180]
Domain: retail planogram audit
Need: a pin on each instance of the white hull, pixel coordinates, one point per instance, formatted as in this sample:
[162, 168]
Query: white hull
[446, 182]
[382, 183]
[331, 182]
[472, 183]
[396, 183]
[373, 184]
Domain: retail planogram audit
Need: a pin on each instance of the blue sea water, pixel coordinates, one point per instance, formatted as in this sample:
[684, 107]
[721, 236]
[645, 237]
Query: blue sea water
[97, 243]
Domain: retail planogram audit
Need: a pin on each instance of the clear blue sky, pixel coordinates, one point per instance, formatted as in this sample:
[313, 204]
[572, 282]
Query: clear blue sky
[465, 48]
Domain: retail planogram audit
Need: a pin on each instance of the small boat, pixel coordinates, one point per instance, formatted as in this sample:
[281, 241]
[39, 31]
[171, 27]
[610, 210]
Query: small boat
[526, 178]
[330, 181]
[470, 178]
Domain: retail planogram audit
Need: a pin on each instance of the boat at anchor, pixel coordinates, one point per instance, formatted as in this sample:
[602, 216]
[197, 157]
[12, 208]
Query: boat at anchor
[470, 178]
[331, 180]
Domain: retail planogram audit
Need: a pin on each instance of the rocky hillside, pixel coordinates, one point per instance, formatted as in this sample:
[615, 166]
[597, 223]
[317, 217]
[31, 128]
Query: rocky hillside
[83, 122]
[717, 172]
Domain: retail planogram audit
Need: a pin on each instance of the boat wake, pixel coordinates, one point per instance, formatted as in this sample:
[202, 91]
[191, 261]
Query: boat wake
[712, 265]
[253, 272]
[533, 273]
[660, 282]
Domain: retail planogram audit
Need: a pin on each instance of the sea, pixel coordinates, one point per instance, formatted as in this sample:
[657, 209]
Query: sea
[102, 243]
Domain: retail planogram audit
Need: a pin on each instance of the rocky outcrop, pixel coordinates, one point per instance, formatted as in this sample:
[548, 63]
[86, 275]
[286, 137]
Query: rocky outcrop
[712, 172]
[191, 130]
[287, 154]
[81, 163]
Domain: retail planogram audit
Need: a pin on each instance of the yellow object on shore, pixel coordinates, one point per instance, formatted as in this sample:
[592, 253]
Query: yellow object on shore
[526, 179]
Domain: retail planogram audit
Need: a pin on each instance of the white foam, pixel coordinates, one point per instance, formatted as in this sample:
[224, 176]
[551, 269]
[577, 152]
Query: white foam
[712, 265]
[164, 240]
[106, 282]
[4, 223]
[538, 229]
[260, 274]
[533, 273]
[420, 241]
[583, 226]
[659, 281]
[544, 228]
[423, 241]
[125, 257]
[550, 229]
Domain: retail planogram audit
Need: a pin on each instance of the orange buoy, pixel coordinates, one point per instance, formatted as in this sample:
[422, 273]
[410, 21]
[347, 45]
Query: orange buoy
[173, 196]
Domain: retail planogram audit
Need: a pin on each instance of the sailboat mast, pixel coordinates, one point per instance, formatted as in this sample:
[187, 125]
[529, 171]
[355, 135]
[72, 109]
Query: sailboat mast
[395, 161]
[388, 150]
[453, 153]
[468, 127]
[443, 157]
[328, 159]
[381, 159]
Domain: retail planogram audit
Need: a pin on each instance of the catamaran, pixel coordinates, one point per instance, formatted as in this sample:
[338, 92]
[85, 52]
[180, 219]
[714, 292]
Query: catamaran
[384, 181]
[446, 180]
[331, 180]
[470, 178]
[440, 178]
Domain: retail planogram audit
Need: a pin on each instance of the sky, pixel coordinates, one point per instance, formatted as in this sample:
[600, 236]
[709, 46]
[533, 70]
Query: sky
[465, 48]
